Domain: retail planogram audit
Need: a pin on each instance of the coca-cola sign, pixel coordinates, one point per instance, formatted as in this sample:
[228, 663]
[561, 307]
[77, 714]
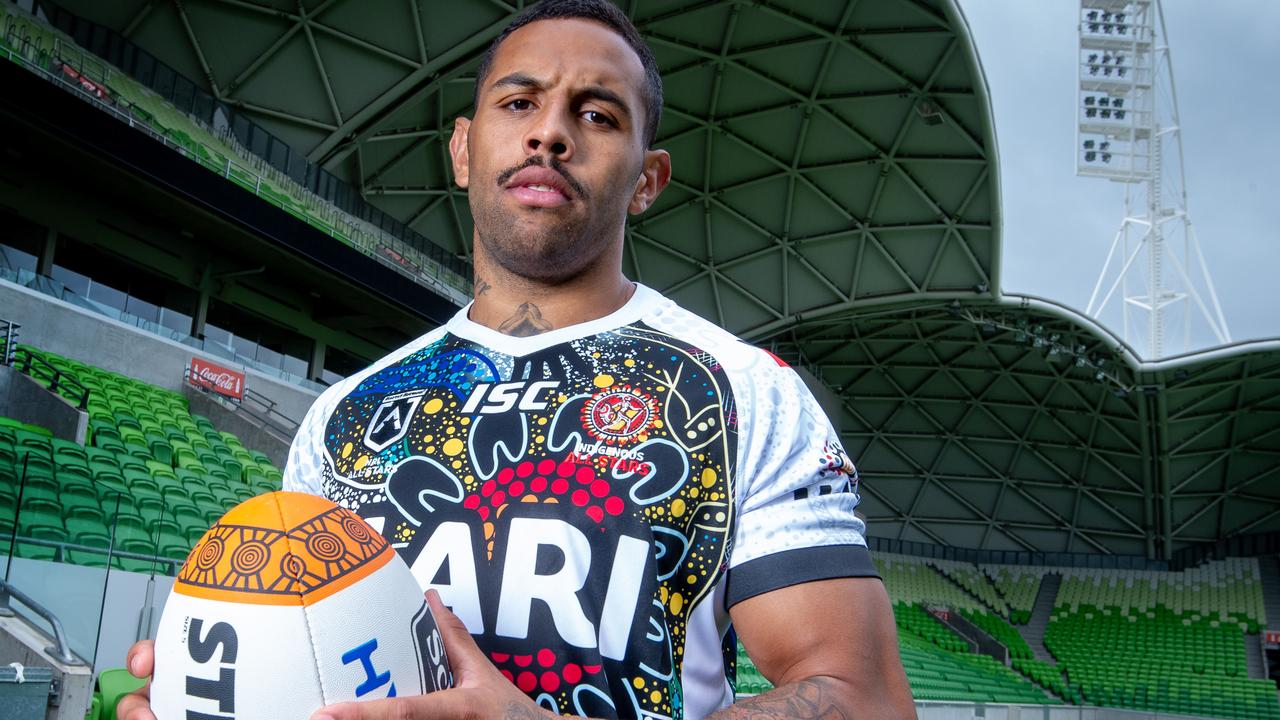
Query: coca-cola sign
[216, 378]
[89, 86]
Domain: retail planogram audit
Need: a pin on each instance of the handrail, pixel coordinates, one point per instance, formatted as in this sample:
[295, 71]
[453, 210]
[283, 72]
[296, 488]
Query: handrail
[379, 245]
[36, 366]
[10, 339]
[287, 429]
[61, 651]
[171, 565]
[289, 425]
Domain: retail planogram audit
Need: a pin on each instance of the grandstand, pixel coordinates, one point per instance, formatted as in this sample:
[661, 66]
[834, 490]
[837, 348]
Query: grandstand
[1058, 522]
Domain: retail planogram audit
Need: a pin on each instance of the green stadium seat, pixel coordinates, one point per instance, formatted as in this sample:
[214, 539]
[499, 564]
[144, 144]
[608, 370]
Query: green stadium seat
[41, 499]
[174, 545]
[235, 471]
[80, 507]
[186, 459]
[113, 685]
[29, 438]
[201, 496]
[111, 443]
[160, 448]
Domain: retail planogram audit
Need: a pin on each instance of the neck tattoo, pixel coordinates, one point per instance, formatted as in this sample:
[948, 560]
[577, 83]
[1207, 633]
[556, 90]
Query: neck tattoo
[526, 321]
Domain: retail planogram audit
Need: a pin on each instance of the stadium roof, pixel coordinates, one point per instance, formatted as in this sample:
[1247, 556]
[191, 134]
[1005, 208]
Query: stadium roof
[836, 196]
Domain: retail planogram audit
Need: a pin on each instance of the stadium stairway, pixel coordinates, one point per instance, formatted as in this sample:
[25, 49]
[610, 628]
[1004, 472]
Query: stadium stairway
[1270, 568]
[1035, 628]
[1253, 661]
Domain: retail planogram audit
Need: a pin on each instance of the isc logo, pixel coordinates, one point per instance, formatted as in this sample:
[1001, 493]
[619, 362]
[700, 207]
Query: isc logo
[488, 398]
[202, 650]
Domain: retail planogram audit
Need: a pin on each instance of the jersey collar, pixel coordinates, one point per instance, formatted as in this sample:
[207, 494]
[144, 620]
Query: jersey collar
[640, 303]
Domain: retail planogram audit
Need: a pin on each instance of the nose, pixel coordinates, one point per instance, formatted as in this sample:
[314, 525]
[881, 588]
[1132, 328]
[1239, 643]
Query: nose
[550, 133]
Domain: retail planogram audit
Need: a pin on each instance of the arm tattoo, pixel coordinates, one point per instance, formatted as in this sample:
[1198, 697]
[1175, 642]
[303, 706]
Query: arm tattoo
[481, 287]
[522, 711]
[811, 698]
[525, 322]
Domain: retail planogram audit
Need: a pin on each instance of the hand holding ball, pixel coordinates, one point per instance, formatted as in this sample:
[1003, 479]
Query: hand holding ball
[287, 604]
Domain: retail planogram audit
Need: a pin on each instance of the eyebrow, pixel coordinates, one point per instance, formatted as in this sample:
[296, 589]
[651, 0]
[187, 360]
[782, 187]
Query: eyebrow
[593, 92]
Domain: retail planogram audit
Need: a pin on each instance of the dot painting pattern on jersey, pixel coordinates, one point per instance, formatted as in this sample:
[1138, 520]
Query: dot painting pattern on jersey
[591, 483]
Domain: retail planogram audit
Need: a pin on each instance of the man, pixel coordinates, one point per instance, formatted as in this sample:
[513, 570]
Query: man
[594, 480]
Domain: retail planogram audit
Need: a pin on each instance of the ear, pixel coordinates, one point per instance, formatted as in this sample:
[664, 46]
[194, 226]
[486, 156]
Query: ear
[654, 176]
[460, 153]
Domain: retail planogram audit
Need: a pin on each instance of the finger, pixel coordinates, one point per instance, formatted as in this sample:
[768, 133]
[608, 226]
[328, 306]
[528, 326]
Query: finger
[141, 658]
[436, 706]
[136, 705]
[459, 646]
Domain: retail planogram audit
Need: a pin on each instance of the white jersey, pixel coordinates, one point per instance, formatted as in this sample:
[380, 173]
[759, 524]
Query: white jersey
[591, 501]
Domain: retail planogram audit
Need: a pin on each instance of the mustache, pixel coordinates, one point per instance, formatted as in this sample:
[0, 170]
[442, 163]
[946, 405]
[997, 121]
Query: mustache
[505, 176]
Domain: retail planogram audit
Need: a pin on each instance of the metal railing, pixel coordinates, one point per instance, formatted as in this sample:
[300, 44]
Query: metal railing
[61, 650]
[39, 368]
[55, 289]
[8, 336]
[371, 241]
[266, 412]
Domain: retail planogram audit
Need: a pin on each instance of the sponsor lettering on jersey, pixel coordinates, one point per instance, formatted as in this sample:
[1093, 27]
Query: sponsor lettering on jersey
[521, 581]
[491, 399]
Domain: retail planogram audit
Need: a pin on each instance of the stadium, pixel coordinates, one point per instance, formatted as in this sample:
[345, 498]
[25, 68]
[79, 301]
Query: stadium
[198, 235]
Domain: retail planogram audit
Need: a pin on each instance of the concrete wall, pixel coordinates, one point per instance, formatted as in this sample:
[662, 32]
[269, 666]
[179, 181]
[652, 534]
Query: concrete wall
[57, 326]
[25, 399]
[251, 434]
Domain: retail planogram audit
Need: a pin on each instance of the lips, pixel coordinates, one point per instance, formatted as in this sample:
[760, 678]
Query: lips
[539, 187]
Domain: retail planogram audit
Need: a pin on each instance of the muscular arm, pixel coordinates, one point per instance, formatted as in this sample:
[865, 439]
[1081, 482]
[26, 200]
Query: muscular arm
[829, 647]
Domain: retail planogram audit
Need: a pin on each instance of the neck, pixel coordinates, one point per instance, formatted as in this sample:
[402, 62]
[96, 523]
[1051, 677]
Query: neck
[520, 307]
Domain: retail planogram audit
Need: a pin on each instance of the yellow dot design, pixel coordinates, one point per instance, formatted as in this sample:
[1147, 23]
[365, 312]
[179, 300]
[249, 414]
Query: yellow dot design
[452, 446]
[433, 406]
[603, 380]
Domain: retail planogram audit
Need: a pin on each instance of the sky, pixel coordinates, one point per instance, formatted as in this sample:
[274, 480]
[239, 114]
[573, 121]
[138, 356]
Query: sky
[1058, 226]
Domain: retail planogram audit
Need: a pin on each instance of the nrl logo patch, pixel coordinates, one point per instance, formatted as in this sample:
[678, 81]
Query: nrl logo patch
[390, 421]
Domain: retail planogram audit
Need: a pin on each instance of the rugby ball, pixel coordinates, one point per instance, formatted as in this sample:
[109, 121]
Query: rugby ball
[287, 604]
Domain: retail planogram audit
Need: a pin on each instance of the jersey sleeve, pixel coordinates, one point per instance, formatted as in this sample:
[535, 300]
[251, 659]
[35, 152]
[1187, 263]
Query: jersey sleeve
[797, 491]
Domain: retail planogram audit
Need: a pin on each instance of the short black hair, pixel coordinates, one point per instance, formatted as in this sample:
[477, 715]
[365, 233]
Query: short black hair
[605, 13]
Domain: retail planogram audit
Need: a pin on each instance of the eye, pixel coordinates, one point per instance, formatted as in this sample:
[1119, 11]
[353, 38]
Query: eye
[518, 104]
[597, 118]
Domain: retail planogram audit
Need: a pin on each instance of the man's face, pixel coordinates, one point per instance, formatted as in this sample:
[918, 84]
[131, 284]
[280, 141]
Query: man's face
[555, 158]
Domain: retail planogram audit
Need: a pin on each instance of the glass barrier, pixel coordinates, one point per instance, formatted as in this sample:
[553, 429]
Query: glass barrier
[82, 549]
[365, 229]
[53, 288]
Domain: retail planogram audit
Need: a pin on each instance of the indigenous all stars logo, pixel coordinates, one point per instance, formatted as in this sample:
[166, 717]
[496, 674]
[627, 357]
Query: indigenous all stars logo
[620, 413]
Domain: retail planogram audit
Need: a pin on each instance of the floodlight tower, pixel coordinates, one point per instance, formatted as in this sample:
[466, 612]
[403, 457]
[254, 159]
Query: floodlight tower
[1128, 132]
